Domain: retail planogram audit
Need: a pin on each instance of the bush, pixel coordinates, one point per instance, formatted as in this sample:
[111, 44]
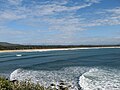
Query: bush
[16, 85]
[8, 85]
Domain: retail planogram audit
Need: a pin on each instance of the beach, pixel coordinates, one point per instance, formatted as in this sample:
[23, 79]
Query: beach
[56, 49]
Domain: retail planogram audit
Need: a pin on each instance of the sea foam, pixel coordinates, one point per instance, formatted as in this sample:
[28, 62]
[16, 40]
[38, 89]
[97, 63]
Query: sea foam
[86, 78]
[99, 79]
[69, 75]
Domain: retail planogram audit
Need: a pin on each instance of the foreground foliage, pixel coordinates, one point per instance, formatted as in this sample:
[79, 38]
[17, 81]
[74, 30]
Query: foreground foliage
[15, 85]
[8, 85]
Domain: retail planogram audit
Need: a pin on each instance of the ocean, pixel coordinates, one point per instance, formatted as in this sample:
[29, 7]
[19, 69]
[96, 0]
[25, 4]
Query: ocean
[90, 69]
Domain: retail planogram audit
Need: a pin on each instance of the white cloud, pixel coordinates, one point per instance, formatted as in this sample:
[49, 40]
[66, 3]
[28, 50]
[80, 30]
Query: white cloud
[15, 2]
[104, 17]
[114, 10]
[93, 1]
[69, 22]
[32, 10]
[8, 15]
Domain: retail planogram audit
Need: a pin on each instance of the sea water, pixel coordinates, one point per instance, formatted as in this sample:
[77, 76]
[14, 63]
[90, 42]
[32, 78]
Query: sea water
[90, 69]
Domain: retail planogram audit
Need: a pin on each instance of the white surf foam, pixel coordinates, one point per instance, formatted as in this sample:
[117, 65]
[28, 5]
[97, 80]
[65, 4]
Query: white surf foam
[18, 55]
[99, 79]
[87, 78]
[69, 75]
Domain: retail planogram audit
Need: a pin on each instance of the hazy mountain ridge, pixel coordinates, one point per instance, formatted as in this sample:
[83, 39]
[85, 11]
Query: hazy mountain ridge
[6, 44]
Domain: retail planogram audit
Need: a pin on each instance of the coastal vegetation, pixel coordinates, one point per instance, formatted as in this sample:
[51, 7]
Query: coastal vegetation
[8, 46]
[9, 85]
[5, 84]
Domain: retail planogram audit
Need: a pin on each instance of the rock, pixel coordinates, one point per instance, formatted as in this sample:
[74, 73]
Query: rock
[14, 81]
[52, 84]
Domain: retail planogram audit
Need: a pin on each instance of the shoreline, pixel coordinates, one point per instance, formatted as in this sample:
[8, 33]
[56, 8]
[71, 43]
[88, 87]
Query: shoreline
[55, 49]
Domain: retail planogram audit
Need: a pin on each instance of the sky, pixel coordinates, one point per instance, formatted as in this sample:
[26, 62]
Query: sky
[60, 22]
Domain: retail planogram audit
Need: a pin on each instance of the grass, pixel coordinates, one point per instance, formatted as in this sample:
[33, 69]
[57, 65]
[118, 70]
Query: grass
[8, 85]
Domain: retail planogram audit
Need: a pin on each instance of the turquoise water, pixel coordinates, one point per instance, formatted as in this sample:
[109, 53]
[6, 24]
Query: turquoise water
[91, 69]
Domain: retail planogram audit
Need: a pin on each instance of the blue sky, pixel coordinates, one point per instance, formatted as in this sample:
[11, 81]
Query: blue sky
[75, 22]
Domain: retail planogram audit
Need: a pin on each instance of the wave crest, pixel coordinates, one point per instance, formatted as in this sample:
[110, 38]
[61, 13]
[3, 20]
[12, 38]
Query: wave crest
[99, 79]
[87, 78]
[45, 78]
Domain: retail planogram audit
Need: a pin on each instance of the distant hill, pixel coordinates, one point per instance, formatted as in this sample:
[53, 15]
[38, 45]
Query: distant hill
[10, 46]
[5, 44]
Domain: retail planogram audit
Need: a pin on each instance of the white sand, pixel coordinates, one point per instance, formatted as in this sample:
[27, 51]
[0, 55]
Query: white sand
[41, 50]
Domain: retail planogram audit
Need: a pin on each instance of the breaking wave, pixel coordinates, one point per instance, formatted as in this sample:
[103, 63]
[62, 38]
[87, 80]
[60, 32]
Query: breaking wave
[100, 79]
[69, 75]
[78, 77]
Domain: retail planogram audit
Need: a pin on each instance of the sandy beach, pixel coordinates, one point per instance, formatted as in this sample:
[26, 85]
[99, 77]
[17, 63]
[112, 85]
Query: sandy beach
[41, 50]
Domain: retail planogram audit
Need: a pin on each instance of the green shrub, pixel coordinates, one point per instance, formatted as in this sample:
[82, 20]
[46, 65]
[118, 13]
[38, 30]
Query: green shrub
[7, 85]
[16, 85]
